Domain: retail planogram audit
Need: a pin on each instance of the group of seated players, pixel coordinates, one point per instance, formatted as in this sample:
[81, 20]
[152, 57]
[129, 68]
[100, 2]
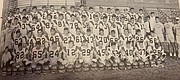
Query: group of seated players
[73, 40]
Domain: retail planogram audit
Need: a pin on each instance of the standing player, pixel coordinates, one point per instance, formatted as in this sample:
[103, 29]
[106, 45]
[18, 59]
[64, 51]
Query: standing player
[89, 37]
[95, 24]
[61, 23]
[53, 12]
[43, 13]
[35, 25]
[105, 25]
[85, 24]
[159, 30]
[170, 36]
[48, 24]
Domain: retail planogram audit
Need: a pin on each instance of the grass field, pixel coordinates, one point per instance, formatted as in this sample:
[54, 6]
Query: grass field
[171, 71]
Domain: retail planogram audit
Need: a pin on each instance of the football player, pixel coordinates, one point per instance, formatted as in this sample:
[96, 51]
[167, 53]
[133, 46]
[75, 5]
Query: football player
[41, 37]
[95, 24]
[48, 24]
[54, 37]
[78, 38]
[71, 53]
[101, 52]
[53, 12]
[89, 37]
[140, 51]
[67, 36]
[105, 25]
[86, 55]
[35, 25]
[43, 13]
[61, 23]
[113, 37]
[85, 24]
[91, 14]
[102, 37]
[34, 13]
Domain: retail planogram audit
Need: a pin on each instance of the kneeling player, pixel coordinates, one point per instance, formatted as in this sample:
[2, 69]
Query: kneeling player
[101, 53]
[86, 54]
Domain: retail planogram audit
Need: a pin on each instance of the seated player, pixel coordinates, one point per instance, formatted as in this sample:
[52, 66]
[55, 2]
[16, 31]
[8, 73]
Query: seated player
[35, 25]
[37, 55]
[30, 40]
[141, 52]
[71, 53]
[54, 53]
[101, 52]
[128, 50]
[158, 53]
[6, 58]
[86, 54]
[127, 36]
[113, 53]
[19, 56]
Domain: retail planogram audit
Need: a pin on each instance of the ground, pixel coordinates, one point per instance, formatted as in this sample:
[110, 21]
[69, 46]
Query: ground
[171, 71]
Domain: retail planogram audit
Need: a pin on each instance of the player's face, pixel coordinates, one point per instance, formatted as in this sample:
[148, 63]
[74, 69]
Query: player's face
[29, 34]
[109, 10]
[72, 9]
[54, 45]
[113, 34]
[34, 10]
[66, 31]
[139, 20]
[113, 18]
[24, 12]
[73, 18]
[132, 20]
[126, 32]
[61, 17]
[39, 33]
[34, 21]
[23, 20]
[44, 9]
[71, 44]
[96, 19]
[63, 9]
[38, 46]
[82, 8]
[100, 44]
[20, 47]
[84, 19]
[88, 33]
[132, 10]
[52, 32]
[139, 33]
[91, 10]
[113, 46]
[18, 34]
[157, 20]
[100, 9]
[117, 12]
[101, 32]
[49, 17]
[140, 11]
[78, 32]
[105, 19]
[157, 46]
[141, 45]
[52, 8]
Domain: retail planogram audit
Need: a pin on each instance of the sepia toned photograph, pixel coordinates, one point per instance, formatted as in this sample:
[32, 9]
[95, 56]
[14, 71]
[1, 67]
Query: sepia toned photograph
[90, 40]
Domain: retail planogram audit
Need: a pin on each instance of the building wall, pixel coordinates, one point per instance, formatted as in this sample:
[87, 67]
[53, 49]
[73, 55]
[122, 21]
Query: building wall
[135, 3]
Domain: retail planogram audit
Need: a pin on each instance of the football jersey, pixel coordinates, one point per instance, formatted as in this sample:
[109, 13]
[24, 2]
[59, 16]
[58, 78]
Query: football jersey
[54, 54]
[152, 40]
[85, 26]
[20, 55]
[131, 28]
[139, 38]
[91, 16]
[114, 52]
[36, 27]
[54, 38]
[102, 38]
[17, 40]
[113, 38]
[86, 52]
[90, 39]
[48, 25]
[95, 27]
[60, 25]
[43, 15]
[114, 26]
[129, 51]
[71, 52]
[37, 54]
[67, 38]
[101, 52]
[54, 14]
[105, 26]
[24, 27]
[73, 25]
[78, 39]
[30, 41]
[42, 39]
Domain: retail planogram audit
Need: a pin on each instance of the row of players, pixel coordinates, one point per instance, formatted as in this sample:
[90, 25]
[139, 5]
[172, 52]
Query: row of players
[87, 50]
